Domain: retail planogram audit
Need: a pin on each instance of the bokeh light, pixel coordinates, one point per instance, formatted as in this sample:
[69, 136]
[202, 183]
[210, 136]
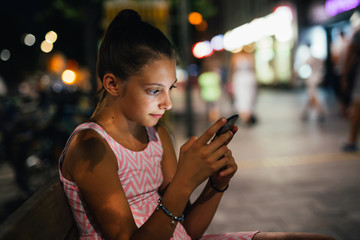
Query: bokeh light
[195, 18]
[181, 74]
[278, 24]
[68, 76]
[5, 55]
[202, 26]
[202, 49]
[57, 63]
[217, 42]
[334, 7]
[46, 46]
[29, 39]
[51, 36]
[305, 71]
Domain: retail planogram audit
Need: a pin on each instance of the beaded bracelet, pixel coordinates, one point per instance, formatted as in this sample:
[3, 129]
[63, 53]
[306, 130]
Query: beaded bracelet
[167, 212]
[215, 188]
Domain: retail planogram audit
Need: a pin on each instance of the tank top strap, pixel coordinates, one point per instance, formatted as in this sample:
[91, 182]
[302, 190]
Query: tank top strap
[84, 126]
[151, 132]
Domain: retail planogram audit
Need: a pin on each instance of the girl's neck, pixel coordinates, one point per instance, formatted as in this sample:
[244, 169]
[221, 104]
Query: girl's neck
[124, 131]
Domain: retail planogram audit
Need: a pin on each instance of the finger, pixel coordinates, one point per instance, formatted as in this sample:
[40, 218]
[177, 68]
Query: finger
[223, 139]
[228, 170]
[229, 155]
[188, 144]
[219, 165]
[229, 140]
[210, 132]
[230, 159]
[234, 129]
[218, 154]
[219, 158]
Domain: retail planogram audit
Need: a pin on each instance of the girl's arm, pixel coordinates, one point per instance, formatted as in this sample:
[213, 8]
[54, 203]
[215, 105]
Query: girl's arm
[90, 163]
[198, 215]
[202, 211]
[169, 161]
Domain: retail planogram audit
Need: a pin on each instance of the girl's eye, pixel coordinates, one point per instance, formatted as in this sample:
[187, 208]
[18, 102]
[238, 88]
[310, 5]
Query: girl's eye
[153, 92]
[172, 86]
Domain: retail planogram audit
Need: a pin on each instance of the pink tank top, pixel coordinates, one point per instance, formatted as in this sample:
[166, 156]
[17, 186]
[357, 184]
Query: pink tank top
[140, 175]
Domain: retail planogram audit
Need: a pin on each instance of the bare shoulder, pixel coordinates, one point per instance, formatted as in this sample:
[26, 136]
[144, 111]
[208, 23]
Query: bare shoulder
[88, 143]
[164, 134]
[86, 151]
[92, 165]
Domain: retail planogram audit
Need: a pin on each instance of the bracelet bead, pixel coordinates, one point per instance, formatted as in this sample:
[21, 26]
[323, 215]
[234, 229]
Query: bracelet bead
[217, 189]
[167, 212]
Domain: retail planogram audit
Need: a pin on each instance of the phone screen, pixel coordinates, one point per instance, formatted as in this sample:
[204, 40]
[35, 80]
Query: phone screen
[228, 125]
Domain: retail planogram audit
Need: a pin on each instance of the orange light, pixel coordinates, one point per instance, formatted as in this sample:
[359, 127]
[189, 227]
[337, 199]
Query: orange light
[195, 18]
[72, 64]
[68, 76]
[56, 63]
[202, 26]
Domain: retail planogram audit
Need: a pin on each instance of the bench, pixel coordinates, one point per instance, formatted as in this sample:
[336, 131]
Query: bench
[45, 215]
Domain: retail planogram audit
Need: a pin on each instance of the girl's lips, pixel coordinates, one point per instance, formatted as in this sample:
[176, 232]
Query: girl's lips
[157, 116]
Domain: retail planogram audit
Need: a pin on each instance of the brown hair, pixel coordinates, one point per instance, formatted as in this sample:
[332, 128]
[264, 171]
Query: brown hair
[128, 45]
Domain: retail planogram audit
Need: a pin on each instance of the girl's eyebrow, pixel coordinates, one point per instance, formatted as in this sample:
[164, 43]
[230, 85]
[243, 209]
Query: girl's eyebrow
[158, 84]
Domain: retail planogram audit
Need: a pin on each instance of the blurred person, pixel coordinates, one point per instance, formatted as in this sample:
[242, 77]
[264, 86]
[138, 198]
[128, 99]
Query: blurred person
[338, 51]
[243, 86]
[351, 76]
[119, 170]
[210, 90]
[312, 87]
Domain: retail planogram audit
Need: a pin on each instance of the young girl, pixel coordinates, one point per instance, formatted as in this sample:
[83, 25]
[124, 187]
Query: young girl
[120, 173]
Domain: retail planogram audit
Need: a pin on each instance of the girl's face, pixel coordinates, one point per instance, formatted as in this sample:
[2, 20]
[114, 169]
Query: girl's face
[147, 95]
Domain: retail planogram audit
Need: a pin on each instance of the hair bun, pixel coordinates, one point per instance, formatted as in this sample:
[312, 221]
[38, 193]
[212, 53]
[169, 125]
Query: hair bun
[128, 16]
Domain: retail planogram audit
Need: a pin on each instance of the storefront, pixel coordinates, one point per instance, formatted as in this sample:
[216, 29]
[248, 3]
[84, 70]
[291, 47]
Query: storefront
[329, 25]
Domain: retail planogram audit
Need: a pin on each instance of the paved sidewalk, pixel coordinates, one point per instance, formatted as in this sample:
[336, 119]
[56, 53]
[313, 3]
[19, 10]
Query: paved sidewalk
[311, 197]
[292, 175]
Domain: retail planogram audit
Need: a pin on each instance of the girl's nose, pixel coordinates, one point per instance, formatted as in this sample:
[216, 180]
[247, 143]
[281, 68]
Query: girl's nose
[166, 102]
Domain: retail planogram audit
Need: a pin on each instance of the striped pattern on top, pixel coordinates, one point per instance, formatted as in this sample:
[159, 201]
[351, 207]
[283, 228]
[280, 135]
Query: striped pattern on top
[140, 175]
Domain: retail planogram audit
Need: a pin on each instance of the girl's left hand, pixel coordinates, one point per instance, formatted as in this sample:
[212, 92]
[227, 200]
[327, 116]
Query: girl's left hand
[222, 178]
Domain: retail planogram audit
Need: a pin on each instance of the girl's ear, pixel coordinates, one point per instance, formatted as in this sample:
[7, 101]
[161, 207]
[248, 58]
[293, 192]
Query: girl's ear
[112, 84]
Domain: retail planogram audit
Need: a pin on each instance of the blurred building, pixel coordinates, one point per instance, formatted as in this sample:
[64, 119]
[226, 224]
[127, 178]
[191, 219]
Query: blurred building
[274, 31]
[155, 12]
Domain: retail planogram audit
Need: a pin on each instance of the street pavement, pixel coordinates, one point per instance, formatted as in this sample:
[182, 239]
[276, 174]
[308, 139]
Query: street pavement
[292, 174]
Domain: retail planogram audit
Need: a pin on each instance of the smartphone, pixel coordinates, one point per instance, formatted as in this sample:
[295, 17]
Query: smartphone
[230, 122]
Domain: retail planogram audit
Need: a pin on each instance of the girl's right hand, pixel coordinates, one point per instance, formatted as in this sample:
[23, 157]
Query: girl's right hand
[199, 159]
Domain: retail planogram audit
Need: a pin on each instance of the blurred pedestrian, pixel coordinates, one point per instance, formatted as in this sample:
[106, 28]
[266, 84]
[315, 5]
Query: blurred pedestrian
[338, 51]
[351, 75]
[210, 91]
[312, 83]
[243, 86]
[120, 172]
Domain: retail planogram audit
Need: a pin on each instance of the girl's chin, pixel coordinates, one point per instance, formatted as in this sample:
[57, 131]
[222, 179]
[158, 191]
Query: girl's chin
[151, 123]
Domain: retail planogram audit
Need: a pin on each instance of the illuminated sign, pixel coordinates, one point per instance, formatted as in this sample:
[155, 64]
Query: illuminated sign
[334, 7]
